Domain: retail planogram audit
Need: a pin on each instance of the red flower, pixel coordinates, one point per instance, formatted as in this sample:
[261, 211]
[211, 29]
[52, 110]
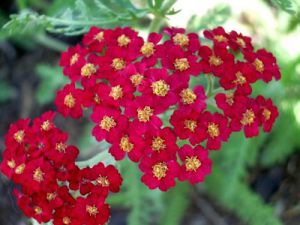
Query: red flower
[68, 101]
[218, 36]
[95, 96]
[196, 164]
[39, 175]
[159, 172]
[227, 102]
[268, 112]
[44, 123]
[96, 38]
[127, 142]
[13, 164]
[214, 129]
[216, 60]
[247, 117]
[183, 63]
[160, 87]
[144, 112]
[161, 141]
[108, 122]
[35, 207]
[66, 216]
[106, 178]
[149, 49]
[264, 63]
[186, 125]
[135, 73]
[193, 99]
[72, 60]
[91, 210]
[18, 134]
[240, 76]
[189, 42]
[239, 41]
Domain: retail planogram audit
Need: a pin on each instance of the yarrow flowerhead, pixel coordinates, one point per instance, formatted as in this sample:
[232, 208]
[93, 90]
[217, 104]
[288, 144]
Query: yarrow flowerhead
[145, 101]
[39, 160]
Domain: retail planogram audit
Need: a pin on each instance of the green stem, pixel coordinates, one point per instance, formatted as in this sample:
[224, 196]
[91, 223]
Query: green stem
[156, 24]
[160, 16]
[51, 42]
[168, 5]
[210, 85]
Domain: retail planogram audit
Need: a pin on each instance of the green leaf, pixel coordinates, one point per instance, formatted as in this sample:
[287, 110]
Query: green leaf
[287, 5]
[51, 79]
[6, 91]
[176, 201]
[214, 17]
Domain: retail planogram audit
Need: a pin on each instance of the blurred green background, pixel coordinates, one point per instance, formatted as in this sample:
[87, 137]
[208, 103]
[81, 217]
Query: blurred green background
[254, 182]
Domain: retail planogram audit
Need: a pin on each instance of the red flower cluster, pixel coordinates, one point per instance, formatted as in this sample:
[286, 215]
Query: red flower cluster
[52, 187]
[144, 105]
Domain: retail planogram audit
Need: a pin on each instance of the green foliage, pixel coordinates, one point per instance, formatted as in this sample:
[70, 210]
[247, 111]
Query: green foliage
[6, 91]
[51, 79]
[286, 5]
[142, 202]
[285, 140]
[227, 180]
[76, 20]
[214, 17]
[176, 201]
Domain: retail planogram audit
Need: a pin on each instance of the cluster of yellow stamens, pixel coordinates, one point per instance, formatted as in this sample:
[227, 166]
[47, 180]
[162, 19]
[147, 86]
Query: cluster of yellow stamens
[107, 123]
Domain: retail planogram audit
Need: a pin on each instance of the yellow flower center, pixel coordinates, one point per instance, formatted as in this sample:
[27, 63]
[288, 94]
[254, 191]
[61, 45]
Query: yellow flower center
[88, 70]
[11, 163]
[159, 170]
[19, 136]
[125, 144]
[116, 92]
[118, 64]
[66, 220]
[181, 40]
[259, 65]
[38, 210]
[136, 79]
[158, 144]
[107, 123]
[61, 147]
[213, 130]
[160, 88]
[215, 60]
[241, 42]
[190, 125]
[188, 96]
[123, 40]
[92, 210]
[38, 175]
[46, 125]
[99, 37]
[147, 49]
[103, 181]
[240, 79]
[144, 114]
[50, 196]
[267, 114]
[69, 101]
[74, 59]
[192, 163]
[220, 38]
[248, 117]
[229, 98]
[97, 99]
[181, 64]
[20, 169]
